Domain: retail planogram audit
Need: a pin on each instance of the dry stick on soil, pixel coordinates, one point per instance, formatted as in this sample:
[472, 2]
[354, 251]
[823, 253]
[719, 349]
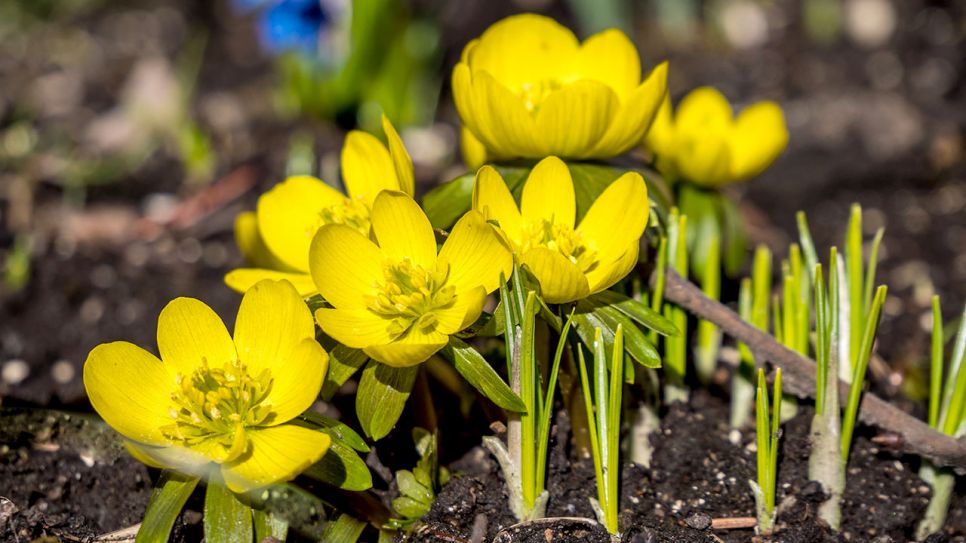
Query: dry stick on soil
[799, 377]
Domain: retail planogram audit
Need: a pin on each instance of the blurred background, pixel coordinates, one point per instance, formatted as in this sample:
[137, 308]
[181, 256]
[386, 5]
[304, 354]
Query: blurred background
[132, 132]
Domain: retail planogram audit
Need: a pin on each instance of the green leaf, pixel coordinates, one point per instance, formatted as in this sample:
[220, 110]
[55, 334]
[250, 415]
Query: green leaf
[478, 372]
[269, 525]
[639, 312]
[409, 486]
[445, 204]
[167, 499]
[336, 429]
[607, 319]
[341, 467]
[227, 520]
[409, 507]
[343, 363]
[383, 391]
[344, 529]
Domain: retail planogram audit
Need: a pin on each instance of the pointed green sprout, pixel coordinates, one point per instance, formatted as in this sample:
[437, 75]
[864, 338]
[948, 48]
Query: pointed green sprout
[675, 347]
[753, 305]
[946, 410]
[602, 401]
[767, 434]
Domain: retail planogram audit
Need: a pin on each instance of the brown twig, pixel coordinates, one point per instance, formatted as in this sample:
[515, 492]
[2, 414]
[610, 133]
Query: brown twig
[798, 374]
[733, 523]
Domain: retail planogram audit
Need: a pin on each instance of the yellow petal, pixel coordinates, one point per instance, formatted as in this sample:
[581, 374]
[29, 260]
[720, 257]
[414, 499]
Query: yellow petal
[402, 163]
[130, 389]
[251, 244]
[272, 321]
[660, 136]
[572, 120]
[524, 48]
[511, 130]
[705, 158]
[242, 279]
[356, 328]
[288, 216]
[703, 108]
[492, 198]
[367, 167]
[549, 194]
[473, 152]
[402, 229]
[275, 454]
[617, 217]
[411, 349]
[345, 265]
[189, 333]
[610, 58]
[181, 459]
[560, 280]
[465, 310]
[476, 255]
[297, 380]
[608, 274]
[636, 114]
[759, 137]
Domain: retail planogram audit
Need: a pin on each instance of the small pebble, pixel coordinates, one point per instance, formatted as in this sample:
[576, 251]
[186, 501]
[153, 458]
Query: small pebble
[698, 521]
[734, 436]
[14, 372]
[63, 372]
[813, 492]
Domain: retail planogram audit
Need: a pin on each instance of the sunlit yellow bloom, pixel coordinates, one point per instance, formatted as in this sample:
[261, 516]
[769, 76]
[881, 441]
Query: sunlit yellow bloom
[528, 88]
[570, 263]
[215, 405]
[277, 236]
[395, 298]
[705, 144]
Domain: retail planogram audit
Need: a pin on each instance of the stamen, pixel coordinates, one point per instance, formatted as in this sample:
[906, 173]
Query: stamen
[213, 406]
[410, 296]
[351, 212]
[563, 239]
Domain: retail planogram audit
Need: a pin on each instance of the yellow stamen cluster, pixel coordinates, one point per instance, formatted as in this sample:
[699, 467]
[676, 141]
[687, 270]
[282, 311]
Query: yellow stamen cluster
[563, 239]
[411, 295]
[351, 212]
[213, 406]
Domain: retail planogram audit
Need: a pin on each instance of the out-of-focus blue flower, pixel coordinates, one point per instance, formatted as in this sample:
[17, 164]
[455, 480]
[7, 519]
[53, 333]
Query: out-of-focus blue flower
[247, 6]
[292, 25]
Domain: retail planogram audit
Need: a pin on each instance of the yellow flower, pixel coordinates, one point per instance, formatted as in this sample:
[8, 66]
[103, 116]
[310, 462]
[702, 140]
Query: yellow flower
[276, 237]
[395, 298]
[214, 405]
[528, 88]
[570, 263]
[705, 144]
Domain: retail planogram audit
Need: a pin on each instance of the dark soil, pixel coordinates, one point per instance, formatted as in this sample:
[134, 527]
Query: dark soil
[699, 474]
[97, 276]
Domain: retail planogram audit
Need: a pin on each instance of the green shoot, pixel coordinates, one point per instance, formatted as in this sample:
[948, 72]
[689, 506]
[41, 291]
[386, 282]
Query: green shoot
[418, 488]
[602, 400]
[524, 457]
[709, 336]
[862, 363]
[675, 347]
[767, 433]
[754, 299]
[946, 415]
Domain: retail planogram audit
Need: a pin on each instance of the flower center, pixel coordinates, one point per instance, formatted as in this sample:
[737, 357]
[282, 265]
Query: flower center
[213, 407]
[535, 92]
[563, 239]
[352, 212]
[410, 296]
